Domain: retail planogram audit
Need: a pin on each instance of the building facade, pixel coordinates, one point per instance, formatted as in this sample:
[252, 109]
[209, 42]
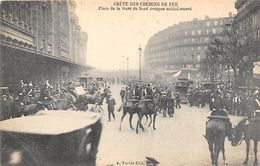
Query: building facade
[40, 40]
[248, 17]
[182, 46]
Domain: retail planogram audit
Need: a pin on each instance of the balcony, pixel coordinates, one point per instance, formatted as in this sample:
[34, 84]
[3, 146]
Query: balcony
[15, 32]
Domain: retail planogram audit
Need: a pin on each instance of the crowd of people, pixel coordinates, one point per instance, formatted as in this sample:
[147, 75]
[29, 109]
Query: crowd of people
[167, 98]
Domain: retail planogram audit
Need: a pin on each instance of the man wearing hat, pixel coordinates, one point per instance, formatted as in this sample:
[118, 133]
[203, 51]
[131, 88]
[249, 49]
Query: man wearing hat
[122, 94]
[111, 106]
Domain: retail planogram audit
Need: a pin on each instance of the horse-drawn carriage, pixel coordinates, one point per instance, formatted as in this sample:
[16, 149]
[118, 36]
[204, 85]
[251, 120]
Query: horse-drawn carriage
[181, 87]
[57, 138]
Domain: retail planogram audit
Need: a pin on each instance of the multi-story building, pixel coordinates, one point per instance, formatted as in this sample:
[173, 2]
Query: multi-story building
[248, 17]
[40, 40]
[182, 46]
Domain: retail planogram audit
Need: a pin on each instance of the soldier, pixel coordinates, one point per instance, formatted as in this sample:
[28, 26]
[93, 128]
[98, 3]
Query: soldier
[111, 107]
[123, 94]
[149, 92]
[137, 92]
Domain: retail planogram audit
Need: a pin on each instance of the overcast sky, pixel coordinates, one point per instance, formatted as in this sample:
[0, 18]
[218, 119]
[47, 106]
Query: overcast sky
[115, 35]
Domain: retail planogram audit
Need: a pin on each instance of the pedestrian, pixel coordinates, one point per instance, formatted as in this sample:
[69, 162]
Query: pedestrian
[164, 103]
[178, 100]
[111, 107]
[170, 106]
[123, 94]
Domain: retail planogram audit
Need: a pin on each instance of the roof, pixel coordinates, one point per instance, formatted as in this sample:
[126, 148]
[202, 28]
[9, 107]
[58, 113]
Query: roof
[50, 122]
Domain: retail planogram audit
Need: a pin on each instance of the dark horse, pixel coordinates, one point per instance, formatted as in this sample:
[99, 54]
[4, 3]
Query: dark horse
[128, 107]
[133, 107]
[247, 130]
[146, 108]
[216, 131]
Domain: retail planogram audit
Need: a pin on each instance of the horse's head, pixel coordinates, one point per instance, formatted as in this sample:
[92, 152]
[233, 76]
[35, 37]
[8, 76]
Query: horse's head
[229, 130]
[237, 133]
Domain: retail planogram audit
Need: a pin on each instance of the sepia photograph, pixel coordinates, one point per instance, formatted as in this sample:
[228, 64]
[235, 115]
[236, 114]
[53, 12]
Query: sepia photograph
[129, 83]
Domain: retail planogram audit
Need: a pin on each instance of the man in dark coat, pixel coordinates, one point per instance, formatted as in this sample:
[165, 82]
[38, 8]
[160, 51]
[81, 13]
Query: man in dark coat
[111, 107]
[178, 100]
[123, 94]
[170, 105]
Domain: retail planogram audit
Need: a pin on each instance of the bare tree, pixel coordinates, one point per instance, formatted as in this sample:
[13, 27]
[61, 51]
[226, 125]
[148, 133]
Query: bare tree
[237, 47]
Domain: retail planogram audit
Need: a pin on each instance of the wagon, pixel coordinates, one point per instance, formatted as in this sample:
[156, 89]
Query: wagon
[181, 86]
[51, 138]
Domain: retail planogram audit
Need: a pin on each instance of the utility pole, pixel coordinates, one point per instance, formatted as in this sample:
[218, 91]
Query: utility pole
[140, 69]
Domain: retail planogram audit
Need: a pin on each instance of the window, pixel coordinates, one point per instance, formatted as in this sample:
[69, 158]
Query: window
[186, 33]
[199, 32]
[198, 57]
[214, 30]
[208, 24]
[193, 33]
[207, 31]
[215, 23]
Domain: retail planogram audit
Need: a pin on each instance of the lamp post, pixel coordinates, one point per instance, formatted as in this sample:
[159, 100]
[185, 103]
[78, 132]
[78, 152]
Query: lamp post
[140, 69]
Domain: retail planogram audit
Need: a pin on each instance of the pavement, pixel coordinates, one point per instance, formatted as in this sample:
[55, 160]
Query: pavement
[177, 141]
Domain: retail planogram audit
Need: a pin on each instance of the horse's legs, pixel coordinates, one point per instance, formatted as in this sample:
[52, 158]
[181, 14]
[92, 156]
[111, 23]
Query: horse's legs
[146, 118]
[247, 151]
[150, 120]
[216, 153]
[141, 126]
[223, 154]
[139, 123]
[122, 118]
[130, 121]
[211, 152]
[154, 118]
[255, 151]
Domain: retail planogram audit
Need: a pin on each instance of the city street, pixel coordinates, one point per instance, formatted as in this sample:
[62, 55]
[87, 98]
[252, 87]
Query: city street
[177, 141]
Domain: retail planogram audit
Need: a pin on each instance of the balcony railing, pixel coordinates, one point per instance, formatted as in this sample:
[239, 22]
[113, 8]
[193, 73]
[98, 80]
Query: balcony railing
[16, 23]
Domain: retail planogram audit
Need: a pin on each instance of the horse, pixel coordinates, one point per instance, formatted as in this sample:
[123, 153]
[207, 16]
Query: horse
[216, 131]
[130, 107]
[145, 108]
[247, 130]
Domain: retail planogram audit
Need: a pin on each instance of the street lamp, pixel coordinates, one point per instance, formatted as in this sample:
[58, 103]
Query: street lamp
[140, 69]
